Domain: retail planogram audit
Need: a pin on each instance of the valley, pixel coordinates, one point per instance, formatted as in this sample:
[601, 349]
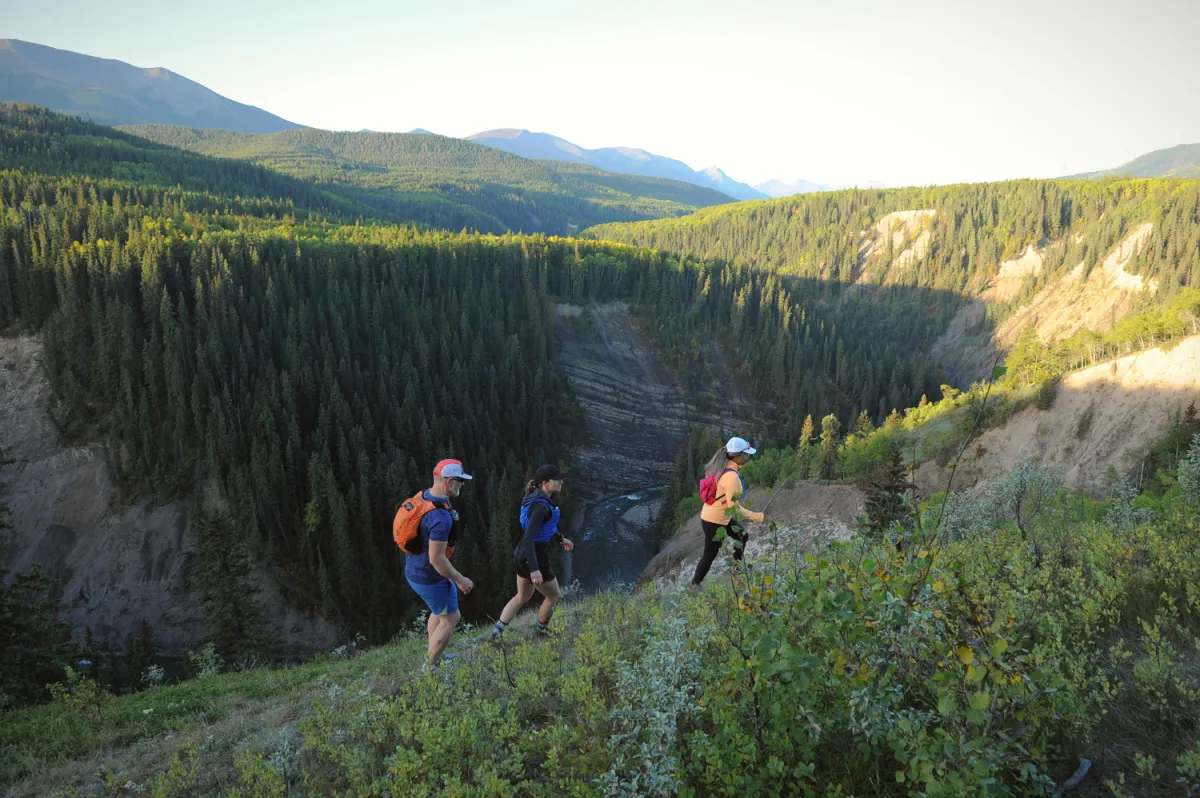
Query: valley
[228, 356]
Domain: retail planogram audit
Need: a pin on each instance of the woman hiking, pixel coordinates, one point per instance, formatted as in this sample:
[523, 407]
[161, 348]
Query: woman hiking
[725, 511]
[539, 520]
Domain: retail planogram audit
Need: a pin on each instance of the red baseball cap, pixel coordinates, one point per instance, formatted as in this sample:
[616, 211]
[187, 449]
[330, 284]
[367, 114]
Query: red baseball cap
[450, 469]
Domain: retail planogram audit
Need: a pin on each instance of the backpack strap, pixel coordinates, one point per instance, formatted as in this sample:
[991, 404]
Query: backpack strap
[723, 473]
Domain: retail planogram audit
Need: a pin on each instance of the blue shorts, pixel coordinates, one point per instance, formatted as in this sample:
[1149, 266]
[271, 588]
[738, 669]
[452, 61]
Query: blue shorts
[441, 597]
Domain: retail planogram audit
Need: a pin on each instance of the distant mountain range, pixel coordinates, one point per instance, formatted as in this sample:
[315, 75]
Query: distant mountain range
[624, 160]
[1180, 161]
[115, 93]
[778, 188]
[447, 182]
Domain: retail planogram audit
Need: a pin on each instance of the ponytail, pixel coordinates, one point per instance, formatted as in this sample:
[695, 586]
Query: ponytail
[530, 487]
[717, 463]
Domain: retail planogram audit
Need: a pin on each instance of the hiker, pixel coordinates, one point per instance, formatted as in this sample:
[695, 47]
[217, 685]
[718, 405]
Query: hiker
[539, 520]
[426, 529]
[722, 489]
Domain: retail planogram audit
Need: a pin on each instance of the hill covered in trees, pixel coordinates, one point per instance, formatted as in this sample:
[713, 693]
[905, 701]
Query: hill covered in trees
[491, 191]
[993, 246]
[316, 369]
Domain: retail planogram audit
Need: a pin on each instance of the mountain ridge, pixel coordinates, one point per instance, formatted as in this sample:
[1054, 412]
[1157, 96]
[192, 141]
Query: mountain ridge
[624, 160]
[114, 92]
[1182, 160]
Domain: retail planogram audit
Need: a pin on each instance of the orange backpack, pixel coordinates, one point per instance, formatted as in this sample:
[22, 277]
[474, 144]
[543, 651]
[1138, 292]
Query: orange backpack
[406, 527]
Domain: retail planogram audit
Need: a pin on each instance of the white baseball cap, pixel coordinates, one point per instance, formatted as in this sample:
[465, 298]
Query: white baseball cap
[739, 446]
[450, 469]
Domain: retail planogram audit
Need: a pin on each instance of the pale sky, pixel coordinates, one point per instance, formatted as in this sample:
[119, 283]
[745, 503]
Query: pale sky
[846, 91]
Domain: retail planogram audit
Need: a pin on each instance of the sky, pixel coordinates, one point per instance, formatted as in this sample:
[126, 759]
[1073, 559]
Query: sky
[846, 92]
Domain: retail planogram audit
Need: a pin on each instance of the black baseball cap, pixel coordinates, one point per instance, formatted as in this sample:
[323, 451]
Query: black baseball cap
[548, 472]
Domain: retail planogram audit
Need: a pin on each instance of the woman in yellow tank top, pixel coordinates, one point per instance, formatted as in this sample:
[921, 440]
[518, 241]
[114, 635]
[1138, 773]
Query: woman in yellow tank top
[726, 511]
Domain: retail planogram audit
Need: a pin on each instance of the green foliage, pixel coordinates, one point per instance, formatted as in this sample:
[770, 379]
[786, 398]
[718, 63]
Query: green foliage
[141, 653]
[888, 505]
[980, 665]
[82, 694]
[205, 662]
[772, 467]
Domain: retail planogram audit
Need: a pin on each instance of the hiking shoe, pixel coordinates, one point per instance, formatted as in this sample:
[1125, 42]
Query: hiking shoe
[447, 659]
[543, 631]
[491, 637]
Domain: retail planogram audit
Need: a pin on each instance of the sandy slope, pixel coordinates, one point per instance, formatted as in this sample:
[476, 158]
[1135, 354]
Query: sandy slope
[1066, 305]
[1105, 415]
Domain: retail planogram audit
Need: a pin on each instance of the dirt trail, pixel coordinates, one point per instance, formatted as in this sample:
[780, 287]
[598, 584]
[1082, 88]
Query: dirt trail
[804, 513]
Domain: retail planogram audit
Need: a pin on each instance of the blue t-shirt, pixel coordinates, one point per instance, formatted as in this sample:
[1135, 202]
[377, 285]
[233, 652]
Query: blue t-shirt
[435, 525]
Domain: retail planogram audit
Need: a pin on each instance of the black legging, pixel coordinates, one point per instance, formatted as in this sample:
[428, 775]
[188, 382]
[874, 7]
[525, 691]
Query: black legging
[711, 546]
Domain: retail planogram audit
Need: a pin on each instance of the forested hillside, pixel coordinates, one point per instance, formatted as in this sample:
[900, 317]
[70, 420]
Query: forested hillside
[957, 241]
[317, 369]
[426, 177]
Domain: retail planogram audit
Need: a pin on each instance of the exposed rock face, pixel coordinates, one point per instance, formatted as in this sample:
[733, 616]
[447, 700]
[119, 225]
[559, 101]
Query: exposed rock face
[1070, 302]
[1107, 415]
[115, 563]
[637, 412]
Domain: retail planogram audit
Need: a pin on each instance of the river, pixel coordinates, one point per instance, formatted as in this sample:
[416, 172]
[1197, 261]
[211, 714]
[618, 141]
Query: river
[614, 540]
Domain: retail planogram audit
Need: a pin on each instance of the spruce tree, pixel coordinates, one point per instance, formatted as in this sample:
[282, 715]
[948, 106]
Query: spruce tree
[229, 591]
[826, 465]
[804, 453]
[34, 646]
[887, 498]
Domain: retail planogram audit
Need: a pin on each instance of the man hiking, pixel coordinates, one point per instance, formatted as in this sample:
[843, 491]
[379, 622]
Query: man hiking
[539, 520]
[426, 528]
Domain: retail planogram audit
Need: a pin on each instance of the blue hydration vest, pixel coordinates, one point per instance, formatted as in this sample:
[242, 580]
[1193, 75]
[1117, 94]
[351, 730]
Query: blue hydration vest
[550, 527]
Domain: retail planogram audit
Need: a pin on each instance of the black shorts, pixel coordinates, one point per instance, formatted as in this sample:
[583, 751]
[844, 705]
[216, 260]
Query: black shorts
[543, 562]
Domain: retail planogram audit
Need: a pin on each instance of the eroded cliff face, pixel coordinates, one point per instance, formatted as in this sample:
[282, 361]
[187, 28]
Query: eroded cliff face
[114, 563]
[637, 412]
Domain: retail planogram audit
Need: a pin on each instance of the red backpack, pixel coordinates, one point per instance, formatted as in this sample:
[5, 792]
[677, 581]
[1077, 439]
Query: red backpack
[708, 486]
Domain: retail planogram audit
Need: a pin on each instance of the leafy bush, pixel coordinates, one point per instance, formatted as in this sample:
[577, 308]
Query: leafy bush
[967, 664]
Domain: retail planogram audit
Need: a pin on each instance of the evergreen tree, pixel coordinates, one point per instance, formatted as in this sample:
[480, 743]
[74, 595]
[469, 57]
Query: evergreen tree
[141, 652]
[887, 501]
[804, 453]
[826, 464]
[235, 620]
[33, 644]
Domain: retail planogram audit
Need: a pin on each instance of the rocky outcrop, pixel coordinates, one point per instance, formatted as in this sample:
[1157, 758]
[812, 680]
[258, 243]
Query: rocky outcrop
[1080, 299]
[637, 412]
[114, 563]
[1105, 416]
